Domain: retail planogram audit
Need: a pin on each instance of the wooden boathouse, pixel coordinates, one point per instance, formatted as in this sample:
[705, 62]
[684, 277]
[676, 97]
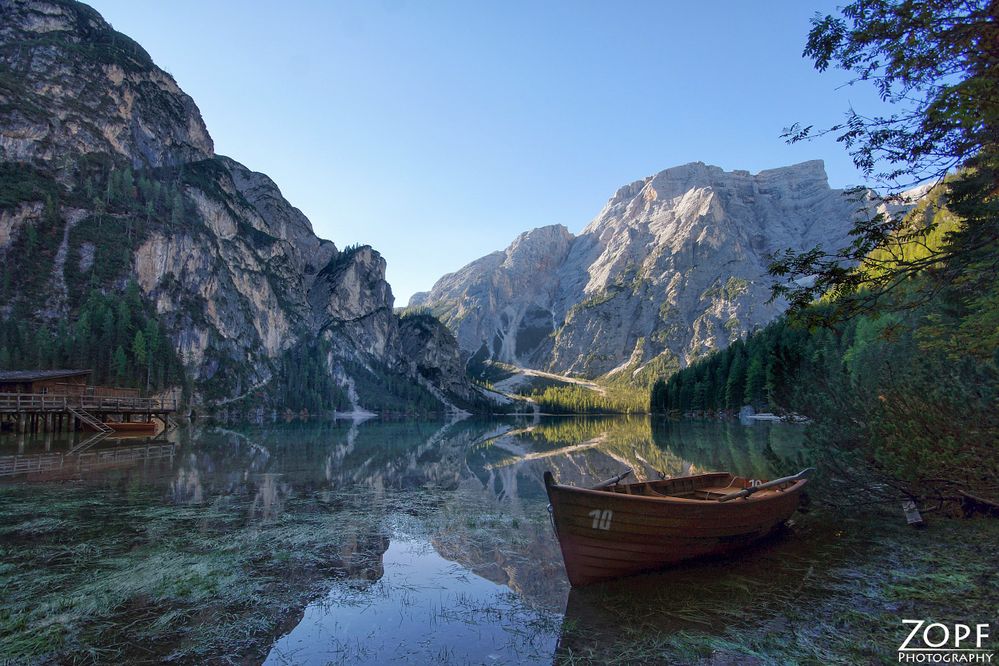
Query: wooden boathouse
[64, 400]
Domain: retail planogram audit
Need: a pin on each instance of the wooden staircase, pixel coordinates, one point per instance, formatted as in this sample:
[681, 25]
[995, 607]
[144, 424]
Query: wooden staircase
[89, 419]
[85, 417]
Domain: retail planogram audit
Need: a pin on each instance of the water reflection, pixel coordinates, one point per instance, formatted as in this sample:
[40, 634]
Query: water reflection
[757, 449]
[435, 534]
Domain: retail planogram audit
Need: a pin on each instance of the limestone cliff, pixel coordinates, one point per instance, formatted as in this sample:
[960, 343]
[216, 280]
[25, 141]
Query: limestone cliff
[108, 176]
[71, 84]
[672, 267]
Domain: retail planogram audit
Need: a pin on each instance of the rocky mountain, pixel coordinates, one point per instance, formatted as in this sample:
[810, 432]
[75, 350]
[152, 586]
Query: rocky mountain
[109, 179]
[671, 268]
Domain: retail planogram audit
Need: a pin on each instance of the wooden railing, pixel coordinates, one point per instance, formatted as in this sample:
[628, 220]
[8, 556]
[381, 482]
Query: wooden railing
[48, 402]
[100, 391]
[48, 462]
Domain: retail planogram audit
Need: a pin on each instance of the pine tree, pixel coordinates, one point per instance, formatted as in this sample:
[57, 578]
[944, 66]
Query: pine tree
[123, 324]
[119, 366]
[735, 387]
[152, 339]
[139, 352]
[698, 401]
[658, 397]
[756, 378]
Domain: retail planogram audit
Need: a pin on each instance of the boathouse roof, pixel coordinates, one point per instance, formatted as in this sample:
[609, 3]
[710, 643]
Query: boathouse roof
[37, 375]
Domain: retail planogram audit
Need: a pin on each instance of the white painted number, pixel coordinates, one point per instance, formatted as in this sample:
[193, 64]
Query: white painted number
[601, 519]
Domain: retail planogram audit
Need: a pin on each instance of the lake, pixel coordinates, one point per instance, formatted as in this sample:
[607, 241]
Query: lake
[381, 542]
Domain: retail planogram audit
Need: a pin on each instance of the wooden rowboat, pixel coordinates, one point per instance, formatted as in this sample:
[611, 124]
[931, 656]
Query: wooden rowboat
[133, 427]
[618, 529]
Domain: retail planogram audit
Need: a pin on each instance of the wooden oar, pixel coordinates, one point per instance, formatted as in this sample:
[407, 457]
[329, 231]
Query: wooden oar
[612, 481]
[769, 484]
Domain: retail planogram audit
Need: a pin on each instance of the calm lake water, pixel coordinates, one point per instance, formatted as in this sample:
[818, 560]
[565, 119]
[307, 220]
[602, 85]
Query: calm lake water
[365, 543]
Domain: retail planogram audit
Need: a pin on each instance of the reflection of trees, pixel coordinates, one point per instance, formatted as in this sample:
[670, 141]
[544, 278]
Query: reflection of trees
[579, 451]
[758, 450]
[268, 481]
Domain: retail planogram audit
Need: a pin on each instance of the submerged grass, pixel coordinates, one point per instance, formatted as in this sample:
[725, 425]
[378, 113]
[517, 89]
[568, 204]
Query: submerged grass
[100, 576]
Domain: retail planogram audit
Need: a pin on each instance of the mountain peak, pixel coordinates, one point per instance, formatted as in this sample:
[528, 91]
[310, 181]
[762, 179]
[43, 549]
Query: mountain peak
[811, 170]
[74, 65]
[673, 266]
[698, 174]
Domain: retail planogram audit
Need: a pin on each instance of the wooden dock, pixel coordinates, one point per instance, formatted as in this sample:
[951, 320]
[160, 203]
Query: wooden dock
[47, 412]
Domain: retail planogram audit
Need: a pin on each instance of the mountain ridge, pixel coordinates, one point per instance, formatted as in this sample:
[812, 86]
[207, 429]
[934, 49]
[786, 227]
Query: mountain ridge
[673, 266]
[108, 177]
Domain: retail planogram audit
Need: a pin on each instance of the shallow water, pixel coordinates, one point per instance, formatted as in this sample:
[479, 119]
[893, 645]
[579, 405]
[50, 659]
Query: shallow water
[373, 542]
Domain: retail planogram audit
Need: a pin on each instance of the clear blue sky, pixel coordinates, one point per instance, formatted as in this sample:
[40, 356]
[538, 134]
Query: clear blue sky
[438, 131]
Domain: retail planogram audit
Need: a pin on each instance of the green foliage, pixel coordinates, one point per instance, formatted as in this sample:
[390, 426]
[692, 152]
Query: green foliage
[304, 380]
[310, 379]
[117, 335]
[732, 289]
[99, 253]
[482, 368]
[342, 259]
[99, 43]
[20, 182]
[903, 379]
[623, 432]
[388, 392]
[643, 376]
[756, 371]
[124, 206]
[417, 312]
[926, 58]
[895, 394]
[756, 376]
[421, 318]
[573, 399]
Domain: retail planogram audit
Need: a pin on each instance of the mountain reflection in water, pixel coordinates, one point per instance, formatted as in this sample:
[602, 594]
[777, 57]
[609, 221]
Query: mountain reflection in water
[437, 543]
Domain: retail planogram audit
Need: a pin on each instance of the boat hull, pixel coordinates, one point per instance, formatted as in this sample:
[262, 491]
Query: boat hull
[133, 428]
[606, 535]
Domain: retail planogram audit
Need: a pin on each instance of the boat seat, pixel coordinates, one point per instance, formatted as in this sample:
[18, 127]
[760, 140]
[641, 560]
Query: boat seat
[721, 490]
[711, 492]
